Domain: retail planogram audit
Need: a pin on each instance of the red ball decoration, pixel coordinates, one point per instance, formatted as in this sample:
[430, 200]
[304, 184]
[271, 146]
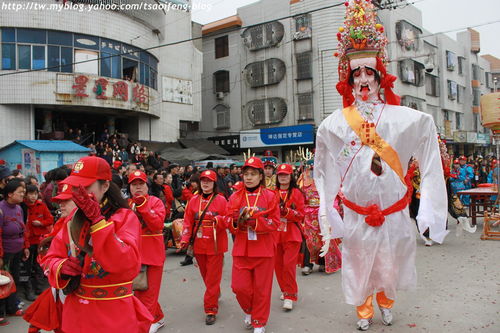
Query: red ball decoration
[336, 54]
[346, 3]
[339, 35]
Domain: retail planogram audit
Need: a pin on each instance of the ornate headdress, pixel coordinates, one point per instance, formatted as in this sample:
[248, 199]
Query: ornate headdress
[269, 159]
[362, 37]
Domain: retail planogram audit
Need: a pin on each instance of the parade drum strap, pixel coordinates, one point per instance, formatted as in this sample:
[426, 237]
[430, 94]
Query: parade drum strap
[367, 133]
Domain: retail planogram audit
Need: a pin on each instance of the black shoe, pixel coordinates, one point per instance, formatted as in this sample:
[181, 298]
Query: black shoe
[210, 319]
[187, 261]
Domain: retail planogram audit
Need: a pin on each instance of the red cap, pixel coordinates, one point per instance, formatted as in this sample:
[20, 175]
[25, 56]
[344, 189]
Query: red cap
[456, 161]
[137, 175]
[64, 192]
[462, 158]
[209, 174]
[87, 170]
[117, 164]
[253, 162]
[285, 169]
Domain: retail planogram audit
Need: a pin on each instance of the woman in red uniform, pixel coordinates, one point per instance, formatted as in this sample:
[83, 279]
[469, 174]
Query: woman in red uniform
[209, 238]
[103, 300]
[151, 213]
[290, 234]
[253, 216]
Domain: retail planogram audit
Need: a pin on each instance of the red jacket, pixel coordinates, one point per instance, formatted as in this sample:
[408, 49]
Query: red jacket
[104, 301]
[266, 219]
[187, 194]
[213, 226]
[151, 214]
[291, 222]
[38, 212]
[169, 199]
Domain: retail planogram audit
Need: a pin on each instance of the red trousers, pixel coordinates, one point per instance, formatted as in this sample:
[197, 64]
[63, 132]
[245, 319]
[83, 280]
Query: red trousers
[253, 283]
[150, 296]
[287, 254]
[211, 272]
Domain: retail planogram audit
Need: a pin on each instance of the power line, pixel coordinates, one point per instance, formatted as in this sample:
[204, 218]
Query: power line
[176, 42]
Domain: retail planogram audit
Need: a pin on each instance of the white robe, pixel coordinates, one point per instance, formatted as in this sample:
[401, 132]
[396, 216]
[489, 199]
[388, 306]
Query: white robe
[379, 258]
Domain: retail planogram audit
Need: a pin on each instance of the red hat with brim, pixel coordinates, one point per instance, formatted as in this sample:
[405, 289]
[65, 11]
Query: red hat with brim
[209, 174]
[462, 158]
[456, 161]
[253, 162]
[65, 192]
[285, 169]
[88, 170]
[137, 175]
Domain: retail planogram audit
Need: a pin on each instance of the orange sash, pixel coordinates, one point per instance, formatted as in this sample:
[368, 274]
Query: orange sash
[368, 135]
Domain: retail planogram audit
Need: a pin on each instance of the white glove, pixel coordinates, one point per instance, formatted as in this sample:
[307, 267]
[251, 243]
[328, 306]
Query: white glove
[325, 235]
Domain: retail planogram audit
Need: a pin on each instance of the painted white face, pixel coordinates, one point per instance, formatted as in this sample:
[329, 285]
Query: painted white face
[365, 85]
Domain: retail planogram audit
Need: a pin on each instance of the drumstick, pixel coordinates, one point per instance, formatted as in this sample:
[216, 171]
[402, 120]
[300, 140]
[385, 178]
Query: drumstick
[72, 248]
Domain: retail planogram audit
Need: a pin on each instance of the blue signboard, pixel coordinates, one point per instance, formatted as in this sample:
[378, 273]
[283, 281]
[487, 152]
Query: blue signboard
[277, 136]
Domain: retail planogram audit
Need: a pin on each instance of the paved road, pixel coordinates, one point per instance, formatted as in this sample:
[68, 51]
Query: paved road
[458, 291]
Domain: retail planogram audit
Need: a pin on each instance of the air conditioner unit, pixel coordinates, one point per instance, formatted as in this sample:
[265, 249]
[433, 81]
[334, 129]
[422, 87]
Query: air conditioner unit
[219, 95]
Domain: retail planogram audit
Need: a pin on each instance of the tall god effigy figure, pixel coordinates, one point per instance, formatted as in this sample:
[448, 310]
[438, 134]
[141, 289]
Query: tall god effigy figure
[362, 155]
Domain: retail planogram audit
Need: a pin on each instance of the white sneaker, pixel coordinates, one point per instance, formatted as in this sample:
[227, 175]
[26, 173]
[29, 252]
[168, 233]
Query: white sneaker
[306, 270]
[248, 322]
[386, 316]
[156, 326]
[259, 330]
[288, 305]
[282, 297]
[364, 324]
[428, 242]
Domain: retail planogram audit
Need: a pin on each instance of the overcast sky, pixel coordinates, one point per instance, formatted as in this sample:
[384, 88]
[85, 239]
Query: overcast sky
[438, 16]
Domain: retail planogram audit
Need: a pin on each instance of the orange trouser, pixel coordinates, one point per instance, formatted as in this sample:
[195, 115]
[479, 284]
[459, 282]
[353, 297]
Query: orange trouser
[365, 311]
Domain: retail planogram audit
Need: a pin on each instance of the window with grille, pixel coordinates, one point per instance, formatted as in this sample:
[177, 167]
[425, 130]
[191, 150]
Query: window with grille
[221, 116]
[305, 106]
[221, 47]
[431, 85]
[303, 27]
[266, 72]
[460, 94]
[275, 109]
[458, 118]
[221, 81]
[263, 36]
[408, 35]
[452, 90]
[461, 63]
[476, 96]
[413, 102]
[451, 60]
[304, 65]
[411, 72]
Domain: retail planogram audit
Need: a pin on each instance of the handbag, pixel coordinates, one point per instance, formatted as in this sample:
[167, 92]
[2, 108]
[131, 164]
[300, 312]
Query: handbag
[140, 282]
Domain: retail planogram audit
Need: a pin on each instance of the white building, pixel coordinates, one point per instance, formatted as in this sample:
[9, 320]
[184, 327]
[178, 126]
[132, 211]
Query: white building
[272, 66]
[92, 70]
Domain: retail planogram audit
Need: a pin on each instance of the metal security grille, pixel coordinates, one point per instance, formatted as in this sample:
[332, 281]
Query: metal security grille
[275, 70]
[221, 116]
[263, 36]
[305, 106]
[303, 26]
[256, 111]
[304, 65]
[254, 74]
[221, 83]
[277, 110]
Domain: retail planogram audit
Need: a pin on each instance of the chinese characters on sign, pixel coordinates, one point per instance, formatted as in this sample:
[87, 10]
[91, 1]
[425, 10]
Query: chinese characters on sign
[111, 92]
